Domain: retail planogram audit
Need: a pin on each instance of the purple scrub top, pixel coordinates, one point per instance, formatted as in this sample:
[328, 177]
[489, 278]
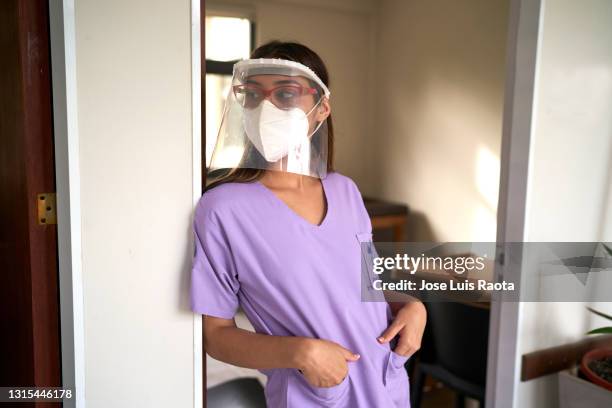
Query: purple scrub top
[294, 278]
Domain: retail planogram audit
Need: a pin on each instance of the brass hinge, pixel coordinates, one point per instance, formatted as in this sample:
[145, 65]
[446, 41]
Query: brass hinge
[47, 213]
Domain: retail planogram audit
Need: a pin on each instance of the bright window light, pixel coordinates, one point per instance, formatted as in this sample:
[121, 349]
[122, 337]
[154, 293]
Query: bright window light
[227, 38]
[487, 176]
[217, 89]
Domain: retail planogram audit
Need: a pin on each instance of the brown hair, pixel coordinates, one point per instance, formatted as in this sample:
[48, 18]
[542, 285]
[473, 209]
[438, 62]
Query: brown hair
[294, 52]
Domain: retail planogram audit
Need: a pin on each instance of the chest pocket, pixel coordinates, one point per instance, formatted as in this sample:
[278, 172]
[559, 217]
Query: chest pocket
[368, 256]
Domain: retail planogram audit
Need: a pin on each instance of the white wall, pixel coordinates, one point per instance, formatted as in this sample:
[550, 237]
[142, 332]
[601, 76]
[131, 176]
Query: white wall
[134, 116]
[436, 139]
[570, 163]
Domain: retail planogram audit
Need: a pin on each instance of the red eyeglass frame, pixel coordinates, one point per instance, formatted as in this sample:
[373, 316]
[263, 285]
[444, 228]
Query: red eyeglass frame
[268, 92]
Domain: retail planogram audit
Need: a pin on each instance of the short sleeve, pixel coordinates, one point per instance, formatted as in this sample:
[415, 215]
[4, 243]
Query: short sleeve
[214, 283]
[363, 218]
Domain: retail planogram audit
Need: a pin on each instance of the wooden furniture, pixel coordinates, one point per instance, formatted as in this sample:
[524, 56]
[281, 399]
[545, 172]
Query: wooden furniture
[388, 215]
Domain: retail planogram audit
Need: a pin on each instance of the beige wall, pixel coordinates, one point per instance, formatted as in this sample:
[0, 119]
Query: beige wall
[436, 137]
[134, 119]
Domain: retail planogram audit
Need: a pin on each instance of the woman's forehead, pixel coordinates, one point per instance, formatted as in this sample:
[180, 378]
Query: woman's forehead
[276, 80]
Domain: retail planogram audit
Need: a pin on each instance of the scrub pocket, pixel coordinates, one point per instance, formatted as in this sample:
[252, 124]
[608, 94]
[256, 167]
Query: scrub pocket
[395, 379]
[301, 393]
[368, 253]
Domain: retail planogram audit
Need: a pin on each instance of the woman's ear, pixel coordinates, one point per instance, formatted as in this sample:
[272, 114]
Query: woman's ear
[323, 110]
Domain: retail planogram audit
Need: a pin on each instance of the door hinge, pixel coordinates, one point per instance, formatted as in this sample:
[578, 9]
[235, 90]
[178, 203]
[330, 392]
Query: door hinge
[47, 213]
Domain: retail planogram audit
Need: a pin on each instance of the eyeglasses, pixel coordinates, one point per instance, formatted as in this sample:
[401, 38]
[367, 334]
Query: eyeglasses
[283, 97]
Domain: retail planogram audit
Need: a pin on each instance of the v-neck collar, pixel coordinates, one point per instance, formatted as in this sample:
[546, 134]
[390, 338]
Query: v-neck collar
[294, 214]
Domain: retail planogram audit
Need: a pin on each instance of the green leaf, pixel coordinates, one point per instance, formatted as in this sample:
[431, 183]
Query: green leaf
[608, 249]
[601, 330]
[605, 316]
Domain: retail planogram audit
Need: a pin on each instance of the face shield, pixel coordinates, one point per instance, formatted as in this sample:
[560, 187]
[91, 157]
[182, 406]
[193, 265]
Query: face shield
[273, 119]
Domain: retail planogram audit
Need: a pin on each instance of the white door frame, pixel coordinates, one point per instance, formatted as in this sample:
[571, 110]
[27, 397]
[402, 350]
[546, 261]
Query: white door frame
[524, 35]
[68, 186]
[199, 375]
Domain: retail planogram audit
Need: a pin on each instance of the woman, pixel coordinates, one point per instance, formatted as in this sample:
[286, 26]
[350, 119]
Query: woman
[280, 235]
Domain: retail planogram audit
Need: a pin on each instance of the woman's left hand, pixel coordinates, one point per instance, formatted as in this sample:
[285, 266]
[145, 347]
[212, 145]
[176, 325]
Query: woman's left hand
[409, 324]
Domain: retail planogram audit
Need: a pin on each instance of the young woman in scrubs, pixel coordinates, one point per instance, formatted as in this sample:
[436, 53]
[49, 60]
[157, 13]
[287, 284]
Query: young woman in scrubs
[280, 236]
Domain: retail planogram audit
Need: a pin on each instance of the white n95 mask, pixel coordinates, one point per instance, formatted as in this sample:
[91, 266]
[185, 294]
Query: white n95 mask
[277, 133]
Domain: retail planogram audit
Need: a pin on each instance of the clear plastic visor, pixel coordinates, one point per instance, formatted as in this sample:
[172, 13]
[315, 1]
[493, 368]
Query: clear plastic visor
[274, 119]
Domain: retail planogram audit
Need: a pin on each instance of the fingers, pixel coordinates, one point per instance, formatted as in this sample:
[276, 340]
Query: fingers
[337, 379]
[338, 376]
[329, 378]
[349, 355]
[353, 357]
[390, 333]
[405, 349]
[407, 345]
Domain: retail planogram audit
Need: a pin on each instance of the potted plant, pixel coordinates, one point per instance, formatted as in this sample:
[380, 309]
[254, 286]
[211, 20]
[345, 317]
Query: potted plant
[592, 388]
[596, 365]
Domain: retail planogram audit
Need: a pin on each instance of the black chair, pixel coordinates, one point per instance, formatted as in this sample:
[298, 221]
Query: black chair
[238, 393]
[454, 351]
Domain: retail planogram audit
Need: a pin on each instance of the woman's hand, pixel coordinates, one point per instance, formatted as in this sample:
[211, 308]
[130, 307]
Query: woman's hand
[324, 363]
[409, 324]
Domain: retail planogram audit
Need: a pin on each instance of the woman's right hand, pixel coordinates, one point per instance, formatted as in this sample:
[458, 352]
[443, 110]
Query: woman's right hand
[324, 363]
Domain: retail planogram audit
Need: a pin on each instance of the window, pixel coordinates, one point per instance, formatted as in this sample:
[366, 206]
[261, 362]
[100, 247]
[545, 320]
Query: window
[227, 40]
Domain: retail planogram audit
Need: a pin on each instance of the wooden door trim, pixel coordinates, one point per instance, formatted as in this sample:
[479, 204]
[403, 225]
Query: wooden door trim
[29, 250]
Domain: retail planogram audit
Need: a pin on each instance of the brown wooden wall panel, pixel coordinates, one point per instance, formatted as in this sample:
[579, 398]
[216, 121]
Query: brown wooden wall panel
[551, 360]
